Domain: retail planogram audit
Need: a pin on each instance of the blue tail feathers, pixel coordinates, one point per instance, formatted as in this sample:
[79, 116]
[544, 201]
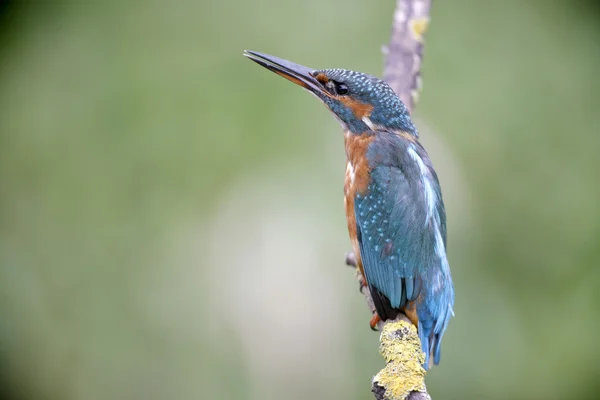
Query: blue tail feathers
[431, 332]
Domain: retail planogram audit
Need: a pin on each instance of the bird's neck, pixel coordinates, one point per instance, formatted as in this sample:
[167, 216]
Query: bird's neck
[391, 121]
[366, 126]
[357, 144]
[352, 125]
[357, 163]
[352, 138]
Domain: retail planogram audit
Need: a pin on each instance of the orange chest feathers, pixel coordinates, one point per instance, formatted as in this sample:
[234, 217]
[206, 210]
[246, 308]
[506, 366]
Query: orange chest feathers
[357, 181]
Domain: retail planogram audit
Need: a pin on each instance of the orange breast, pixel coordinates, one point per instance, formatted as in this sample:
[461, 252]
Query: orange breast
[357, 180]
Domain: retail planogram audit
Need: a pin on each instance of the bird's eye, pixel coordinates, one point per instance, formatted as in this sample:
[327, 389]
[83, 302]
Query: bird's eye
[341, 88]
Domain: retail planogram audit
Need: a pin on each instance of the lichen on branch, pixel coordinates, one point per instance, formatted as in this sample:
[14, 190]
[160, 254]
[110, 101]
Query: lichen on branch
[404, 375]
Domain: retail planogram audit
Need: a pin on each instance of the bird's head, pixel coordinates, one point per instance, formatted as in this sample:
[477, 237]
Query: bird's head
[359, 101]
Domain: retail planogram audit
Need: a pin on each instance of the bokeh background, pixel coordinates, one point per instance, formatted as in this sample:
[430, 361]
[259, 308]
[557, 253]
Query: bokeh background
[171, 219]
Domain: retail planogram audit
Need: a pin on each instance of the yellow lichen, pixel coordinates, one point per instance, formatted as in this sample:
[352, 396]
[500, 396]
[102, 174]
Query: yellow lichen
[418, 26]
[404, 373]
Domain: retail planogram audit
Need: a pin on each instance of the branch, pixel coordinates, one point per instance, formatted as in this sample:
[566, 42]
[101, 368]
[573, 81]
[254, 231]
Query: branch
[403, 377]
[405, 50]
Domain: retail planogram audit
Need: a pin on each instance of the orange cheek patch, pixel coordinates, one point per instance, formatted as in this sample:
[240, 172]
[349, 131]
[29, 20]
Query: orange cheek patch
[360, 110]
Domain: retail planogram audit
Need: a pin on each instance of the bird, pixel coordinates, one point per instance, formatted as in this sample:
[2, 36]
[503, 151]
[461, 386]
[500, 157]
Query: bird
[393, 201]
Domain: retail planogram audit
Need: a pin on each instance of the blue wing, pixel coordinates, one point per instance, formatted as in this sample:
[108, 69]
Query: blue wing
[402, 235]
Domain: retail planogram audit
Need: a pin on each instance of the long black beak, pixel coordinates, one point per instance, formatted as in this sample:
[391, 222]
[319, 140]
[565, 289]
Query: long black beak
[298, 74]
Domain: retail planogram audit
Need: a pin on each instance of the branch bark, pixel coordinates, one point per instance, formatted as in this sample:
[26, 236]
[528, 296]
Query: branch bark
[404, 53]
[403, 377]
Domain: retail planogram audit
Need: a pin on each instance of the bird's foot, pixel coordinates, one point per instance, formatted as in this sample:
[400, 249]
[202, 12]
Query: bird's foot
[411, 313]
[374, 321]
[361, 283]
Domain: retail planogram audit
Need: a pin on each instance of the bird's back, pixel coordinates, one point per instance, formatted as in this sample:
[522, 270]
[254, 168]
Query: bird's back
[397, 221]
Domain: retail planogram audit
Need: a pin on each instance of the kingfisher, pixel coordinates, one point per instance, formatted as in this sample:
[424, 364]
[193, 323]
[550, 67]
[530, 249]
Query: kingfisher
[393, 200]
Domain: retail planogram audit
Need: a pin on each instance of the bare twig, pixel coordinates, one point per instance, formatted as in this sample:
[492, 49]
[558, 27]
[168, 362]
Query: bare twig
[405, 50]
[403, 378]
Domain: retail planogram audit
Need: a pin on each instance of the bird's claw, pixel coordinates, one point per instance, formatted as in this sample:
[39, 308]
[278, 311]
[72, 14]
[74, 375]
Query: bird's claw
[374, 321]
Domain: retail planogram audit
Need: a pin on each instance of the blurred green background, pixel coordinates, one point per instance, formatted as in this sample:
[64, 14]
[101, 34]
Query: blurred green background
[171, 219]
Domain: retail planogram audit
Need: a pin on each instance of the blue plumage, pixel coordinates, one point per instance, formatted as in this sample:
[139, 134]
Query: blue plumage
[402, 235]
[394, 207]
